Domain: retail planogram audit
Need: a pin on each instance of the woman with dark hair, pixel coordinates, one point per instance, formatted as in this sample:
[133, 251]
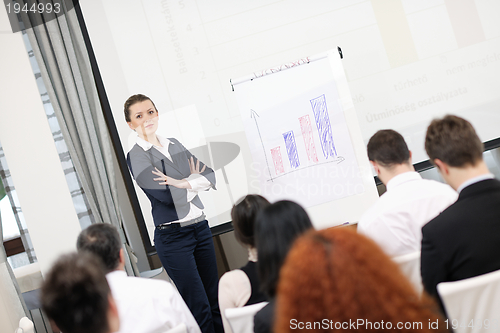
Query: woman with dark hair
[336, 279]
[241, 287]
[276, 228]
[171, 177]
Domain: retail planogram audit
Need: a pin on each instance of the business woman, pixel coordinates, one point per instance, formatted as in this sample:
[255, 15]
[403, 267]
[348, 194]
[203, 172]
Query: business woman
[171, 178]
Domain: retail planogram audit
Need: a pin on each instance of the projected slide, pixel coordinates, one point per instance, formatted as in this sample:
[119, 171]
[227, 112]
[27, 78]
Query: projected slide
[406, 62]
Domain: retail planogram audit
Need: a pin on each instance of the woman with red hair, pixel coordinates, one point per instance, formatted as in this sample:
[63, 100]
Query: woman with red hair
[336, 279]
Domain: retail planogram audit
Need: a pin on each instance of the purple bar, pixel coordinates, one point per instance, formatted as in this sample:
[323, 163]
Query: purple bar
[291, 149]
[324, 126]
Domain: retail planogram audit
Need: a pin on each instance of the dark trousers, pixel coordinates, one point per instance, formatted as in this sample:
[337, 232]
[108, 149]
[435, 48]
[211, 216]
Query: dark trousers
[188, 255]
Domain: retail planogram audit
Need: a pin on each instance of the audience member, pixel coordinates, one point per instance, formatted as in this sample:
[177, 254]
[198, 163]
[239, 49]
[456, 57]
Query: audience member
[241, 287]
[76, 297]
[276, 228]
[464, 240]
[395, 221]
[336, 280]
[144, 305]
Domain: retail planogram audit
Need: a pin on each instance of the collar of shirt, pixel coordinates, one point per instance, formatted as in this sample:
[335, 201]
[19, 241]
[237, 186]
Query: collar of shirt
[146, 145]
[252, 254]
[474, 180]
[164, 142]
[403, 178]
[117, 274]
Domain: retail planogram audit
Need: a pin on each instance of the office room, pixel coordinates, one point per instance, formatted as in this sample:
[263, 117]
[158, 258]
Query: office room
[277, 98]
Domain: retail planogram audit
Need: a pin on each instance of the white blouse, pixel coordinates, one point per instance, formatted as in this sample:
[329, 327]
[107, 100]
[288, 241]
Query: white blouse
[235, 290]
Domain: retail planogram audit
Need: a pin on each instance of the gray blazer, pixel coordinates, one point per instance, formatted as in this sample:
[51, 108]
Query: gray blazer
[168, 203]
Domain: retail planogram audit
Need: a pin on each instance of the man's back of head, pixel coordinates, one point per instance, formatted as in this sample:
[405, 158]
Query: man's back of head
[454, 141]
[103, 240]
[389, 154]
[454, 147]
[388, 147]
[76, 297]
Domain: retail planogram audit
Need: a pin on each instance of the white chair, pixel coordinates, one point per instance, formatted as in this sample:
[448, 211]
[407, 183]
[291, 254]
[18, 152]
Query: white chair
[25, 326]
[241, 319]
[28, 277]
[472, 303]
[410, 266]
[181, 328]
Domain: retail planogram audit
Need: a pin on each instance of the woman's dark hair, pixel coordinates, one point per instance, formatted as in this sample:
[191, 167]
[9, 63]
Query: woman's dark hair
[243, 215]
[131, 101]
[276, 228]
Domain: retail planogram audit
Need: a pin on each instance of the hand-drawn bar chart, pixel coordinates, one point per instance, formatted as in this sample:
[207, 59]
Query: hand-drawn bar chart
[324, 126]
[324, 135]
[292, 114]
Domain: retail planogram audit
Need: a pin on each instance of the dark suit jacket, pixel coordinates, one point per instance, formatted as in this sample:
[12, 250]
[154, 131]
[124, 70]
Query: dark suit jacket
[464, 240]
[264, 319]
[168, 203]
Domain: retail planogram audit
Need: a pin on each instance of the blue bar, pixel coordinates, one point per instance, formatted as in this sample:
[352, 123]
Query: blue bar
[324, 126]
[291, 149]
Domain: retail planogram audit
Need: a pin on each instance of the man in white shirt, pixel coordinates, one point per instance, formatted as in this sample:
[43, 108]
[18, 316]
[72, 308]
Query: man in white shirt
[144, 305]
[395, 221]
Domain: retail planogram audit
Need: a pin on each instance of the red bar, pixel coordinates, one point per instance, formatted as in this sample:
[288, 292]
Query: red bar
[277, 160]
[305, 126]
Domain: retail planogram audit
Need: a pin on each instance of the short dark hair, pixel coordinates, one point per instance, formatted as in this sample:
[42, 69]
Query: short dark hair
[103, 240]
[276, 228]
[131, 101]
[243, 215]
[454, 141]
[388, 148]
[75, 294]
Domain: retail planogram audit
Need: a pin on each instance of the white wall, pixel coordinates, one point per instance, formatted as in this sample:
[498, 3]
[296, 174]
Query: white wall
[31, 154]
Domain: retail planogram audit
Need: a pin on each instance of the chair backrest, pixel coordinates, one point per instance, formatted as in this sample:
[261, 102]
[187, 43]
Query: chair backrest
[241, 319]
[410, 266]
[25, 326]
[472, 304]
[181, 328]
